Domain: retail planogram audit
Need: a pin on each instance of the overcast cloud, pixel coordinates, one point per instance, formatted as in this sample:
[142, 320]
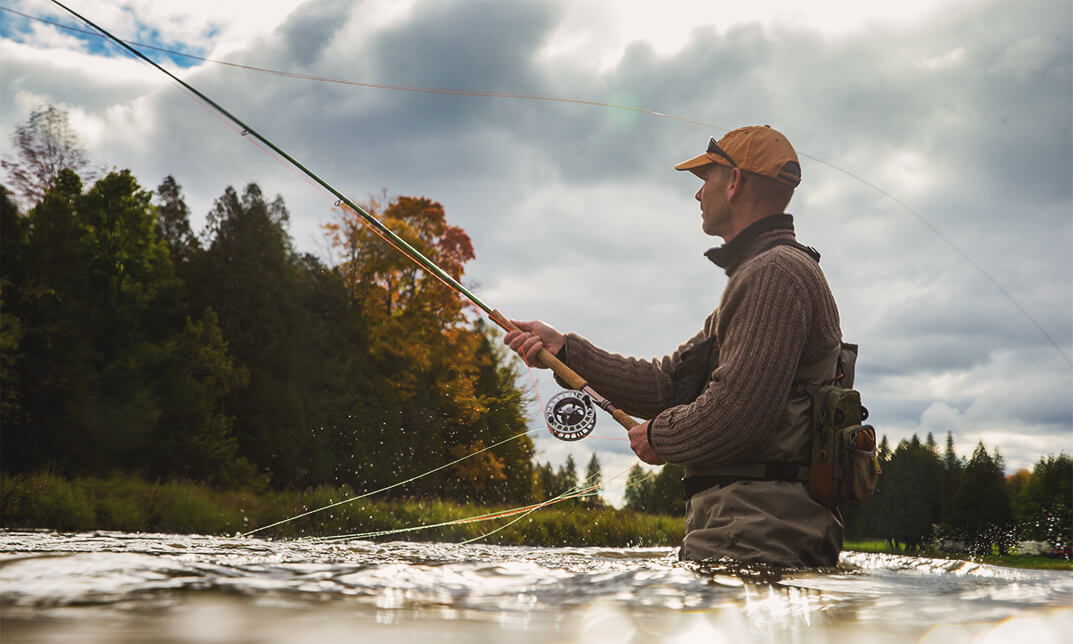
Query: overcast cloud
[961, 110]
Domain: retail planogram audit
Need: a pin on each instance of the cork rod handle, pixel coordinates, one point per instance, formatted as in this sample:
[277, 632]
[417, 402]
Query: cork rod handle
[568, 375]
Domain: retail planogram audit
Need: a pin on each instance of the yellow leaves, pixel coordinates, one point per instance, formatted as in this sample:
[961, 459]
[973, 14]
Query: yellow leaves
[480, 470]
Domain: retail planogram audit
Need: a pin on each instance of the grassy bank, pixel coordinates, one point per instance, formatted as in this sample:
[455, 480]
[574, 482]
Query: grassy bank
[130, 504]
[1012, 560]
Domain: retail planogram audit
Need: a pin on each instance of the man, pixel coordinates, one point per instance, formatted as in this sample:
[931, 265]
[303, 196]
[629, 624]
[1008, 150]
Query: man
[730, 405]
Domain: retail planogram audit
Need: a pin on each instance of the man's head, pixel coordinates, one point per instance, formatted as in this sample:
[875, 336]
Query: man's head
[749, 174]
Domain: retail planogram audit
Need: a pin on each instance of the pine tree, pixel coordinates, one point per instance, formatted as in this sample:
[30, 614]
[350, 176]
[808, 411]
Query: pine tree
[173, 223]
[980, 513]
[1044, 505]
[567, 475]
[594, 478]
[638, 495]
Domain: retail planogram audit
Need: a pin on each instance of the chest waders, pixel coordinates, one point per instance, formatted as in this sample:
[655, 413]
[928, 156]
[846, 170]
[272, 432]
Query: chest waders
[820, 439]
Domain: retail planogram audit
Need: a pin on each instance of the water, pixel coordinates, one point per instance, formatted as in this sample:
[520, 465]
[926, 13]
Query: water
[118, 587]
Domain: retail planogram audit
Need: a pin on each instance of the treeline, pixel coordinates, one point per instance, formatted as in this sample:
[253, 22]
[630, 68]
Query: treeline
[932, 499]
[130, 344]
[927, 500]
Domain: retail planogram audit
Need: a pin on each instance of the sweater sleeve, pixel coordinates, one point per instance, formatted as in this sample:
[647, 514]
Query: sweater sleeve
[641, 388]
[763, 330]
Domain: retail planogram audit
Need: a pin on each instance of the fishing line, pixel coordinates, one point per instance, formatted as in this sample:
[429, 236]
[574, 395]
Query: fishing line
[1006, 293]
[499, 514]
[389, 487]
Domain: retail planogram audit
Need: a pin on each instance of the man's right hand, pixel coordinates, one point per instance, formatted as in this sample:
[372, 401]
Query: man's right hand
[531, 338]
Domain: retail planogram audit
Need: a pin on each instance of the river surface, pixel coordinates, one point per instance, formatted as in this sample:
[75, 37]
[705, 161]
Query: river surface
[143, 588]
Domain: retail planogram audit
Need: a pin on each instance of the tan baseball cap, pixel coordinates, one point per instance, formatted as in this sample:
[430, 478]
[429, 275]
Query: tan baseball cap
[760, 149]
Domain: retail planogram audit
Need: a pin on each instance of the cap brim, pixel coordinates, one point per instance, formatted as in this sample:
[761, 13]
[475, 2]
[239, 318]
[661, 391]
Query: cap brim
[700, 161]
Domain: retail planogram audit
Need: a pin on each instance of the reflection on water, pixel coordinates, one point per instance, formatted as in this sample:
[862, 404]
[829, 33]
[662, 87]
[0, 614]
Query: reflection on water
[116, 587]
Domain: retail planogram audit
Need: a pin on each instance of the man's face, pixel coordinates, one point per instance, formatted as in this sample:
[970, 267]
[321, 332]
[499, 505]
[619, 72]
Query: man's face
[714, 205]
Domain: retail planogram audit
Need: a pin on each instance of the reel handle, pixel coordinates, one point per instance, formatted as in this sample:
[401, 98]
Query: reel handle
[570, 377]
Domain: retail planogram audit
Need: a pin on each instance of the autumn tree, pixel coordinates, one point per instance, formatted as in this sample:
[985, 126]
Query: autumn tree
[454, 393]
[44, 145]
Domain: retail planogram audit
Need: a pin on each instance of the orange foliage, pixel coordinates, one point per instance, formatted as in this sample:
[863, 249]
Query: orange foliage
[480, 470]
[414, 319]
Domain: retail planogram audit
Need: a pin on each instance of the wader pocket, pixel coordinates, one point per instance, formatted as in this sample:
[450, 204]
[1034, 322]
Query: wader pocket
[862, 465]
[844, 465]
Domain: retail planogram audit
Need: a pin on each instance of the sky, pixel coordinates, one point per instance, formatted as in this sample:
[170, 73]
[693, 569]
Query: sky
[936, 140]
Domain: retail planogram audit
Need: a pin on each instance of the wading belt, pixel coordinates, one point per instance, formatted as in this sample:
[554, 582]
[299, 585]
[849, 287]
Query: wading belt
[790, 472]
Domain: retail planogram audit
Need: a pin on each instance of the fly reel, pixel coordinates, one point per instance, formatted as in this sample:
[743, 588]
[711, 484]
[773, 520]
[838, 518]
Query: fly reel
[571, 415]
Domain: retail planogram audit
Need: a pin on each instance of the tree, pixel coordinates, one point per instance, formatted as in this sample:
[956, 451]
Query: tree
[567, 475]
[952, 469]
[501, 419]
[173, 222]
[1044, 504]
[44, 145]
[250, 276]
[980, 514]
[56, 361]
[667, 492]
[195, 434]
[594, 478]
[638, 489]
[907, 503]
[12, 243]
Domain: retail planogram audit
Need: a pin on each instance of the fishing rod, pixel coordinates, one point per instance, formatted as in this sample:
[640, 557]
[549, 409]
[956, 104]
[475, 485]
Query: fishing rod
[570, 415]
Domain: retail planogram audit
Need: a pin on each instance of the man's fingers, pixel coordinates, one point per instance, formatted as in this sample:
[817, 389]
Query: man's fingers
[531, 349]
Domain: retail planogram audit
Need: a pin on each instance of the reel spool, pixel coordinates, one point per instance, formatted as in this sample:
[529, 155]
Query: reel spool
[571, 415]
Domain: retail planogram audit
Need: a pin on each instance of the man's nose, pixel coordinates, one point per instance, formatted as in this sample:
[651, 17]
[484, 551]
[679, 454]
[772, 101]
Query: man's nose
[697, 196]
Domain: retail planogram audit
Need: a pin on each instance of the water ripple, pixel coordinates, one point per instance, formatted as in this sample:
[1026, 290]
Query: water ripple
[50, 582]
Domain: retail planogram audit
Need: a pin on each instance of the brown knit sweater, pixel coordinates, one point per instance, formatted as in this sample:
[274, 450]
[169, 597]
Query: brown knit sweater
[777, 310]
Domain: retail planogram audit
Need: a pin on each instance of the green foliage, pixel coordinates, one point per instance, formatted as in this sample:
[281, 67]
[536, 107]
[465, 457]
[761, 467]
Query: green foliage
[980, 513]
[124, 503]
[1043, 505]
[656, 492]
[638, 488]
[907, 502]
[593, 477]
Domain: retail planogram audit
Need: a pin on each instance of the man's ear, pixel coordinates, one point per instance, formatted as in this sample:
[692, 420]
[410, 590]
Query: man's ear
[735, 184]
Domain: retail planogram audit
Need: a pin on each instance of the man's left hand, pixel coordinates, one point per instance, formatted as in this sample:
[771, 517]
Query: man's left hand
[640, 445]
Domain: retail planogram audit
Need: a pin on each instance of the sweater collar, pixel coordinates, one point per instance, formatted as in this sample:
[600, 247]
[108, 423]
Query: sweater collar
[733, 253]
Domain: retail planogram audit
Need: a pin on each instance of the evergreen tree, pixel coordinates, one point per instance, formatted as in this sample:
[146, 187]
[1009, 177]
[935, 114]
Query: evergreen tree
[501, 417]
[57, 364]
[638, 495]
[907, 503]
[594, 478]
[1043, 505]
[980, 514]
[195, 437]
[12, 243]
[667, 492]
[249, 276]
[567, 475]
[952, 469]
[173, 223]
